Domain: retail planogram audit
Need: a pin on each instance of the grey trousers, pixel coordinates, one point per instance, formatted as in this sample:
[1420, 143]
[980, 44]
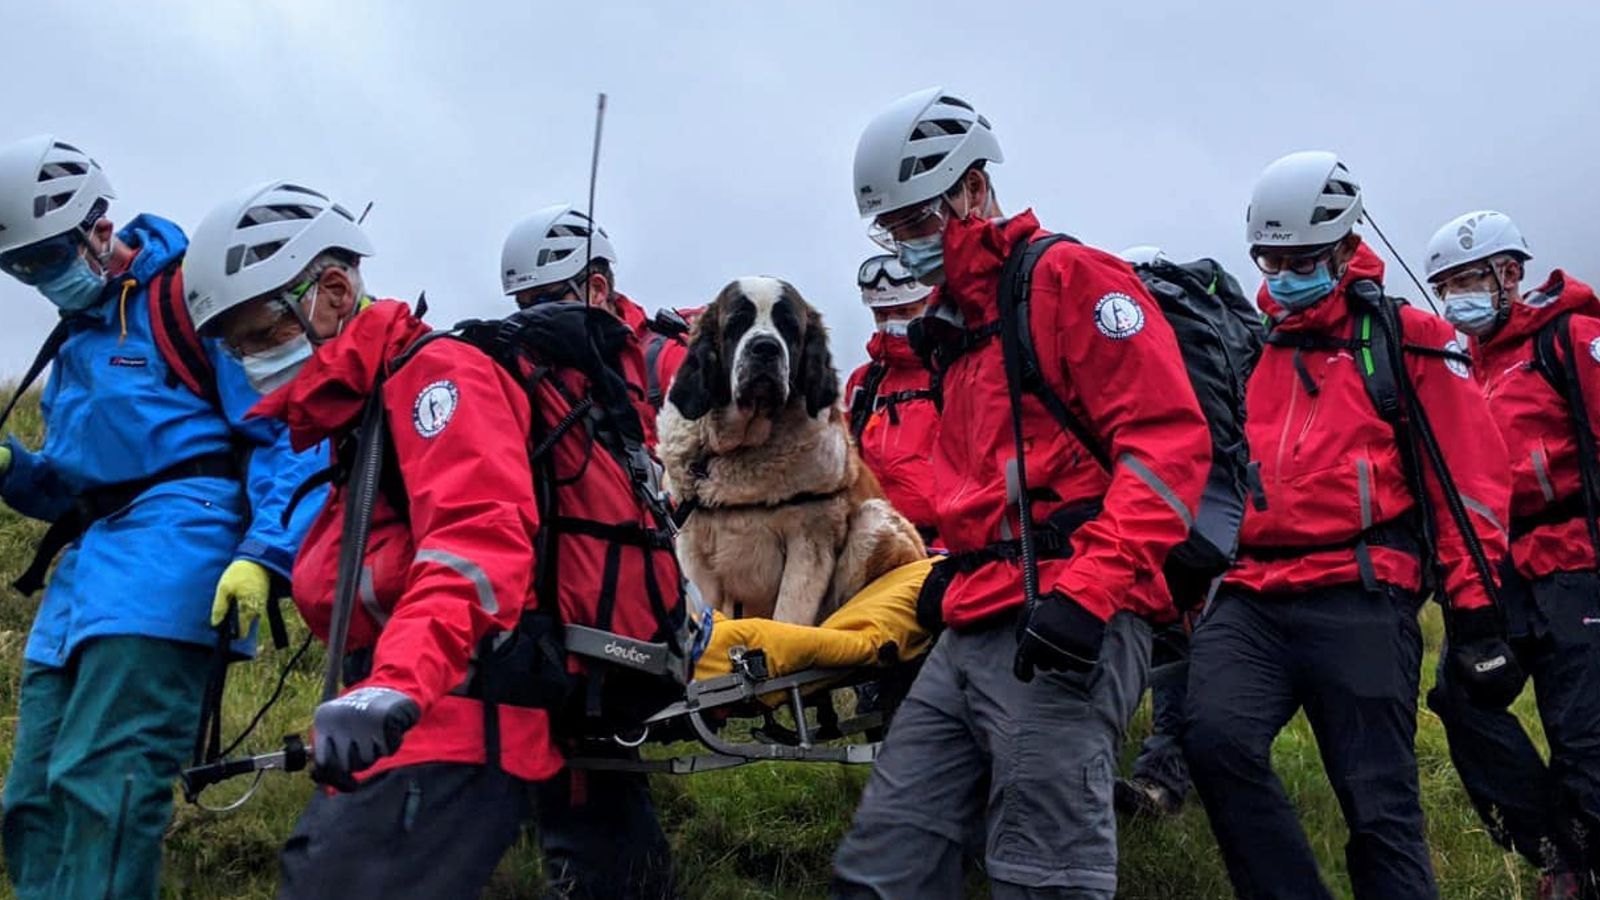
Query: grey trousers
[1032, 763]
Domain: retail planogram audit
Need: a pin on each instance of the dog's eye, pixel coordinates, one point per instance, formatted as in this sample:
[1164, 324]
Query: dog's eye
[786, 320]
[740, 320]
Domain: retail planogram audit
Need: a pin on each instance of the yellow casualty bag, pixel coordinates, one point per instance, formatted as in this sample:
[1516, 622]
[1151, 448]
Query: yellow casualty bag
[875, 627]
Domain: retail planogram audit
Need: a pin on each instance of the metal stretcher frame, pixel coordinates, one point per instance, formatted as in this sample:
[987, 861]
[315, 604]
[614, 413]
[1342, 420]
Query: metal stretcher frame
[738, 694]
[734, 695]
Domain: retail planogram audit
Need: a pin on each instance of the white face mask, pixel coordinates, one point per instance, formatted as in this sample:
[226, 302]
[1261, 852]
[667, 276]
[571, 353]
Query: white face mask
[277, 367]
[895, 327]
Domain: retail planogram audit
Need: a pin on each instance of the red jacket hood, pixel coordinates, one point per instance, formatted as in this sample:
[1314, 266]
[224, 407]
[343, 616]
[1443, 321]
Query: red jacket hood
[1561, 293]
[893, 351]
[1330, 312]
[631, 313]
[974, 250]
[326, 398]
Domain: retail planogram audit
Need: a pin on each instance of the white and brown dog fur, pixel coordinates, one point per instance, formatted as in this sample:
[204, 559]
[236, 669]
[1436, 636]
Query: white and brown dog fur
[788, 523]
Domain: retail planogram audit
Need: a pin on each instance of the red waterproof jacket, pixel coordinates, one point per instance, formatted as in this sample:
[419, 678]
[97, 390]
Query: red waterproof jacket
[1330, 466]
[1106, 350]
[897, 442]
[1536, 425]
[459, 564]
[661, 355]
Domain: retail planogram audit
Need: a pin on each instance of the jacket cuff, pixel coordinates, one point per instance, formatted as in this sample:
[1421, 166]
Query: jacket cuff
[275, 559]
[1088, 593]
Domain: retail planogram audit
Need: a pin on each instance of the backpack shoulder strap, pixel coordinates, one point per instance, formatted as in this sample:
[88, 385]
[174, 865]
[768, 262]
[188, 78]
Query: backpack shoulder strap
[176, 337]
[652, 376]
[1016, 291]
[1561, 370]
[865, 395]
[47, 353]
[1545, 358]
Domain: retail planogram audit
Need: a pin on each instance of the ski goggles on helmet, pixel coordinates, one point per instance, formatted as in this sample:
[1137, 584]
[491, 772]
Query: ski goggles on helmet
[885, 269]
[1299, 260]
[42, 260]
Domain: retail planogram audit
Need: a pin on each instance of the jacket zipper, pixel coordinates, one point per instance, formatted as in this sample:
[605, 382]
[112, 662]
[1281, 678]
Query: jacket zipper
[1283, 437]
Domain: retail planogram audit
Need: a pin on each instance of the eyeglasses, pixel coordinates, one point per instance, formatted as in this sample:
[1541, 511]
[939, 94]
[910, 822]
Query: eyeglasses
[1301, 261]
[260, 336]
[890, 228]
[1462, 282]
[43, 260]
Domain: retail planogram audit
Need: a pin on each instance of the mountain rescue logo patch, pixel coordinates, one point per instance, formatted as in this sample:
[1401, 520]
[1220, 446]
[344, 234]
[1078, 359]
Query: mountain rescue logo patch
[1456, 366]
[1118, 316]
[1594, 349]
[435, 404]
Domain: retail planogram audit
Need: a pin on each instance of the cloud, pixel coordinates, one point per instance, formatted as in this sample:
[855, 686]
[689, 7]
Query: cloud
[732, 125]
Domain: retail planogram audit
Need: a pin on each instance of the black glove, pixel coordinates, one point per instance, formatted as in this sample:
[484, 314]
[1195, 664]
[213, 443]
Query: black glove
[1483, 661]
[1059, 635]
[358, 729]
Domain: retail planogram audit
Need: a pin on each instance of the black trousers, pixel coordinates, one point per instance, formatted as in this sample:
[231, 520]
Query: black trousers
[1352, 660]
[434, 831]
[601, 838]
[1550, 813]
[438, 831]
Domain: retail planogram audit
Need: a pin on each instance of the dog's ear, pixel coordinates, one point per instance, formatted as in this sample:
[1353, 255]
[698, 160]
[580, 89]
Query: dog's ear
[819, 380]
[701, 382]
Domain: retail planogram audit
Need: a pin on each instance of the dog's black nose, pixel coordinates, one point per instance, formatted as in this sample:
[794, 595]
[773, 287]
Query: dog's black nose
[764, 347]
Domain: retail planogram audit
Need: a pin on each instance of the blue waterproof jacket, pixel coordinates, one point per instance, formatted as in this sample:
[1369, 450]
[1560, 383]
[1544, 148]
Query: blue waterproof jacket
[112, 416]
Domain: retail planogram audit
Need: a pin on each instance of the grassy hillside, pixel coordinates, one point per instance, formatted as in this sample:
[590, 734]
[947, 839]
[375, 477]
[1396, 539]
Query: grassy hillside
[764, 831]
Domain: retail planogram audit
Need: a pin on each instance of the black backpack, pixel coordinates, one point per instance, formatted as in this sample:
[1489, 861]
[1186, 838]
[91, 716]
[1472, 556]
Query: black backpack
[1219, 334]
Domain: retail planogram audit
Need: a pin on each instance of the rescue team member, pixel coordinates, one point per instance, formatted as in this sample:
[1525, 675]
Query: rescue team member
[1320, 611]
[1549, 813]
[168, 517]
[981, 740]
[558, 253]
[1159, 781]
[893, 414]
[276, 272]
[595, 821]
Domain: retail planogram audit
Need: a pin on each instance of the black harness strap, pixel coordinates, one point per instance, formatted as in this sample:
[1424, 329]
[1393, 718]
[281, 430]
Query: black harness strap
[93, 505]
[47, 352]
[865, 399]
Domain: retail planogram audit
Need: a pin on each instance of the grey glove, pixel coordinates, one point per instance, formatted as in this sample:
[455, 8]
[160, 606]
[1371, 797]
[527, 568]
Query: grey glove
[358, 729]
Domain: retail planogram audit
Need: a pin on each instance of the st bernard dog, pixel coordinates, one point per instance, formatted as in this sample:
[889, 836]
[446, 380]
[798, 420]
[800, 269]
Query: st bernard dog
[784, 521]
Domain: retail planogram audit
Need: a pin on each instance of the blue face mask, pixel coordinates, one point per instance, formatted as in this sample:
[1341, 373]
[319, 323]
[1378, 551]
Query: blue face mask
[1473, 313]
[76, 289]
[1296, 292]
[923, 257]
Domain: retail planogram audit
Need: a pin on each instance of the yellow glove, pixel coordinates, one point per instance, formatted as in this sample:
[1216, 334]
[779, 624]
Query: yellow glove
[247, 584]
[5, 461]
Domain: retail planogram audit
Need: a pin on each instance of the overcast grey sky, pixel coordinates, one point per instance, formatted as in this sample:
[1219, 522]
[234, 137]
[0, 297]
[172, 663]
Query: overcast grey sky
[732, 125]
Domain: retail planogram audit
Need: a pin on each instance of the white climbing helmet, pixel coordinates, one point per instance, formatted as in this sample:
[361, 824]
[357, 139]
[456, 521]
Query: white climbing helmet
[551, 246]
[1305, 199]
[1473, 237]
[47, 188]
[1143, 255]
[884, 282]
[917, 149]
[259, 241]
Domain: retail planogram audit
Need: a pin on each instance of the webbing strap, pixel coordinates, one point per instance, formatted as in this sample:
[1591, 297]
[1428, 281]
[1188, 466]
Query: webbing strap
[47, 353]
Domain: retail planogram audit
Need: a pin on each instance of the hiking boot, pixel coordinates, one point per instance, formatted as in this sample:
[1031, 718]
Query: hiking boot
[1142, 797]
